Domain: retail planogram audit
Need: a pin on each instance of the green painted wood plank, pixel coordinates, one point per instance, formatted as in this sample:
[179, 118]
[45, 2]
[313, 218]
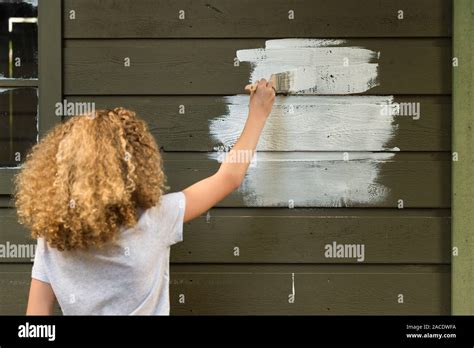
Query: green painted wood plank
[463, 143]
[6, 201]
[15, 285]
[294, 236]
[263, 18]
[6, 180]
[14, 238]
[367, 179]
[182, 123]
[196, 66]
[49, 62]
[318, 290]
[387, 237]
[18, 83]
[304, 179]
[257, 289]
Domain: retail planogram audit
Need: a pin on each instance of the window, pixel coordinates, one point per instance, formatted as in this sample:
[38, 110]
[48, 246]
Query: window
[18, 80]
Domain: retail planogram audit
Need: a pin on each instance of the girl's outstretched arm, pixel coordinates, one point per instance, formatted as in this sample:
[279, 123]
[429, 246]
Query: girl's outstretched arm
[206, 193]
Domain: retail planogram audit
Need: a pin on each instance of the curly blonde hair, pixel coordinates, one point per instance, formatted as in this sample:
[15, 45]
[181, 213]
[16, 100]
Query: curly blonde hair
[87, 178]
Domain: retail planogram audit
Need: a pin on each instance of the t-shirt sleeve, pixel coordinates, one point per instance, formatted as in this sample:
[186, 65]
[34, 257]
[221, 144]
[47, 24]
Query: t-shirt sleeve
[39, 270]
[171, 217]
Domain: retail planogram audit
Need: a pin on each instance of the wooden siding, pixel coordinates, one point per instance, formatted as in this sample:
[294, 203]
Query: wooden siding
[296, 236]
[199, 66]
[267, 18]
[191, 63]
[261, 289]
[190, 131]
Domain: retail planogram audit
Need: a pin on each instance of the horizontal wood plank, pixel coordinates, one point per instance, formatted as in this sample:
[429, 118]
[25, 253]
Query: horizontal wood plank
[256, 289]
[6, 180]
[14, 237]
[197, 66]
[263, 18]
[6, 201]
[15, 282]
[320, 290]
[294, 236]
[304, 236]
[304, 179]
[7, 82]
[323, 179]
[205, 123]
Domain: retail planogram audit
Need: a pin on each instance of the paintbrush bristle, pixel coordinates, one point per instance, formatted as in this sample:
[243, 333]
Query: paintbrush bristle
[283, 81]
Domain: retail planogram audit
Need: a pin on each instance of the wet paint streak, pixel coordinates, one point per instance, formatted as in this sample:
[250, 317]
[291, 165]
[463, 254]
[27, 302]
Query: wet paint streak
[313, 123]
[319, 66]
[308, 179]
[307, 121]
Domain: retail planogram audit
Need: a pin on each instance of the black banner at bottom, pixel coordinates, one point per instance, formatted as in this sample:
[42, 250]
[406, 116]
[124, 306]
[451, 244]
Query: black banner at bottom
[394, 330]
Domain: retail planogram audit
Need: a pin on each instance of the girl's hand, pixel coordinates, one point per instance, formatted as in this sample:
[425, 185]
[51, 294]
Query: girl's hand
[262, 99]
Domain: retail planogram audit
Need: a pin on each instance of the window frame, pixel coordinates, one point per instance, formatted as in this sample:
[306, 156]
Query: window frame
[49, 88]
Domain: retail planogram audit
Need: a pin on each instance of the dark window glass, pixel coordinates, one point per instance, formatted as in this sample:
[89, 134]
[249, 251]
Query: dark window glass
[18, 39]
[18, 124]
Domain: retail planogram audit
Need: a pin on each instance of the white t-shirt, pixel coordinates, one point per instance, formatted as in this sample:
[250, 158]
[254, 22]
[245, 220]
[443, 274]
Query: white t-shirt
[128, 277]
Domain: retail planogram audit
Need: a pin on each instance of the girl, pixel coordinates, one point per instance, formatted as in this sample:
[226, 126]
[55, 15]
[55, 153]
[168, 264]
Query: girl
[92, 194]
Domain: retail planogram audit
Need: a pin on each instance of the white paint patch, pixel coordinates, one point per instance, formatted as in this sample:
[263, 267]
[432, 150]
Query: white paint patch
[315, 179]
[298, 43]
[313, 123]
[319, 66]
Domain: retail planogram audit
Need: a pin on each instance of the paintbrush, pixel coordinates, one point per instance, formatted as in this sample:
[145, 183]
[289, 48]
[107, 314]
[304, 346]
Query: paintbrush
[281, 81]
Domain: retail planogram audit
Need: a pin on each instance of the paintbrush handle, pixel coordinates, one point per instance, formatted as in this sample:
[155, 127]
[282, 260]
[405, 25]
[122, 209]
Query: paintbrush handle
[253, 86]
